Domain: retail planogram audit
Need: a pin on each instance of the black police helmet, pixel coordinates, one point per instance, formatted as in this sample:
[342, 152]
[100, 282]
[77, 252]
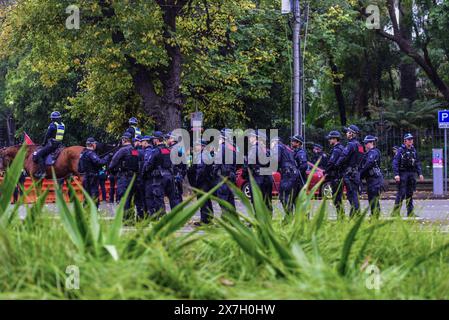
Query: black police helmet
[334, 135]
[369, 138]
[127, 136]
[297, 138]
[353, 128]
[91, 141]
[158, 135]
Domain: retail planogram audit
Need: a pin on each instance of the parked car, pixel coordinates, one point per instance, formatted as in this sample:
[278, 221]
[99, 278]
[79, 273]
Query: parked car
[324, 191]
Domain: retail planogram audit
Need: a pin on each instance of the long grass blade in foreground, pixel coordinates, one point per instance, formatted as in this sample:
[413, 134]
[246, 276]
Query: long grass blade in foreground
[348, 243]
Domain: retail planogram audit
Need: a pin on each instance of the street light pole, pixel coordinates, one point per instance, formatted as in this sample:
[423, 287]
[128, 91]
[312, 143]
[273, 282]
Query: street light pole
[297, 94]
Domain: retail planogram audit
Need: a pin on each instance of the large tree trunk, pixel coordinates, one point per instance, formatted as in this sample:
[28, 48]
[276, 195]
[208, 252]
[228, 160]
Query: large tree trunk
[338, 92]
[407, 68]
[164, 109]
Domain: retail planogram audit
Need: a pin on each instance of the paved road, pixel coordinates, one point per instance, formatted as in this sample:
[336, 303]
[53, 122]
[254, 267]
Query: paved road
[433, 210]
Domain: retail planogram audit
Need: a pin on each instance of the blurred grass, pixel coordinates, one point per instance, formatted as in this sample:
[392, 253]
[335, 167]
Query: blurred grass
[248, 256]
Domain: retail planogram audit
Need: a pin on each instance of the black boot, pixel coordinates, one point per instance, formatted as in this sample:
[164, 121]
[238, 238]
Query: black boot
[40, 173]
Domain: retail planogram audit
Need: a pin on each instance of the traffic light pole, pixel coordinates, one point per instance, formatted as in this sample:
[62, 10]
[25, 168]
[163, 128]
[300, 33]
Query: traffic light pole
[297, 94]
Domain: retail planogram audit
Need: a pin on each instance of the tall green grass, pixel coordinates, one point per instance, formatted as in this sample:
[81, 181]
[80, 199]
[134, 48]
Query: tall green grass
[251, 255]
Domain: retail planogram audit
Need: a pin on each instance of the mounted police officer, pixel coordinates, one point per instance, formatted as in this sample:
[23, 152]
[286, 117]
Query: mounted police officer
[300, 156]
[160, 168]
[264, 180]
[225, 164]
[52, 141]
[179, 170]
[349, 163]
[133, 130]
[288, 170]
[200, 177]
[89, 165]
[371, 172]
[333, 173]
[126, 163]
[319, 154]
[406, 165]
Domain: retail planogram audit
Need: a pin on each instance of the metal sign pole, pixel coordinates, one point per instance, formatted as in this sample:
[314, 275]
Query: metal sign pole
[445, 161]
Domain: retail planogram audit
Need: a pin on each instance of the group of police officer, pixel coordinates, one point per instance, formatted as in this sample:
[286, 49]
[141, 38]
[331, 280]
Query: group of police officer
[147, 160]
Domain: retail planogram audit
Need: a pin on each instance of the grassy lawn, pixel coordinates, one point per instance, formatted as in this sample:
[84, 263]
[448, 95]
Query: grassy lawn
[253, 256]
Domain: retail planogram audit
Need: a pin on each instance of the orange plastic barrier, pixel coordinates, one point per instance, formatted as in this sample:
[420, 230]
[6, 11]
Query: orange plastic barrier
[49, 185]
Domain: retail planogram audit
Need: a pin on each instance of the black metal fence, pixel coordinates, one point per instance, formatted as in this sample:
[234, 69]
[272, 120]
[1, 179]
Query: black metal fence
[425, 140]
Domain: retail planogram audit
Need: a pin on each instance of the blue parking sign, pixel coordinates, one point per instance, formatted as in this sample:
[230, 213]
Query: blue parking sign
[443, 119]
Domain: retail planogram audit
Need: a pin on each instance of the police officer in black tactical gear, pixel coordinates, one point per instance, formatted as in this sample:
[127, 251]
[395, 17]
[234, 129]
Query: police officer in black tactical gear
[126, 163]
[52, 141]
[146, 177]
[139, 194]
[333, 173]
[406, 165]
[371, 172]
[200, 177]
[179, 170]
[159, 168]
[225, 163]
[319, 155]
[300, 156]
[89, 165]
[264, 180]
[349, 162]
[288, 170]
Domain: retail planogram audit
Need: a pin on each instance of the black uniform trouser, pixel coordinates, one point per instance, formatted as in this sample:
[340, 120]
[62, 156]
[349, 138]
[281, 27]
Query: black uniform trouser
[207, 210]
[225, 193]
[155, 192]
[179, 179]
[300, 183]
[123, 182]
[265, 184]
[112, 188]
[102, 183]
[139, 198]
[90, 184]
[352, 184]
[406, 188]
[337, 195]
[43, 152]
[289, 188]
[374, 189]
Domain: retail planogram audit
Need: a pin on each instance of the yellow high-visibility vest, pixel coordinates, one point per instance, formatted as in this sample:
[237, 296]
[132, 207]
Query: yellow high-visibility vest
[60, 129]
[137, 132]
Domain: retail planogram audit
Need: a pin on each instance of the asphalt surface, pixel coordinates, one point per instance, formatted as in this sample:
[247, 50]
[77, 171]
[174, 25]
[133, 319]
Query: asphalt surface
[431, 210]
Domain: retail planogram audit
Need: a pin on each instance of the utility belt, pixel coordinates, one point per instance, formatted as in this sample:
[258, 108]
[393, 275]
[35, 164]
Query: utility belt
[221, 170]
[289, 170]
[375, 172]
[127, 173]
[161, 172]
[91, 174]
[351, 171]
[407, 168]
[255, 170]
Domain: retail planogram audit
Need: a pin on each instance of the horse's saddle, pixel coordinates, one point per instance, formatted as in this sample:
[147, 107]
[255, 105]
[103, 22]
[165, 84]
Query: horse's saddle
[51, 158]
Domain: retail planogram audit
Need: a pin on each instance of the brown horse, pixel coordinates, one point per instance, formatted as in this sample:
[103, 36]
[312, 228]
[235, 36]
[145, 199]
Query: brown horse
[65, 166]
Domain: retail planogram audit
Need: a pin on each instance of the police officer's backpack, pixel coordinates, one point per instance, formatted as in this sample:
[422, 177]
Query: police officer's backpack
[131, 161]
